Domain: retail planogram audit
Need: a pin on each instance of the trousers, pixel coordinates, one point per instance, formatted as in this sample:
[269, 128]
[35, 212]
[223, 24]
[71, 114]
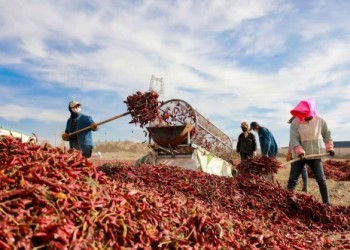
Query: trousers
[304, 177]
[316, 168]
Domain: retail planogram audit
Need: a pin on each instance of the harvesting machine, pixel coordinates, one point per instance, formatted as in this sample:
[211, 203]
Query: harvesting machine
[181, 136]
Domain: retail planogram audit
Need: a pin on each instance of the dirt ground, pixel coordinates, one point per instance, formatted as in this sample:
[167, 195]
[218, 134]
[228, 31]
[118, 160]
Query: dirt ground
[339, 191]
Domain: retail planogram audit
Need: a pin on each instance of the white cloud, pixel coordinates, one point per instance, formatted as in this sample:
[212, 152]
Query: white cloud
[207, 46]
[14, 112]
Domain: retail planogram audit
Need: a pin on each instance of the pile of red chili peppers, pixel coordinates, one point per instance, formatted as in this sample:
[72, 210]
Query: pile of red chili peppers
[259, 165]
[55, 199]
[143, 107]
[335, 170]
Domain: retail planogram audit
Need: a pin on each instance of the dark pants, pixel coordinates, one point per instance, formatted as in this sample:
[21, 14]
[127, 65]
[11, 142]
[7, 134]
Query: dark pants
[317, 169]
[304, 177]
[87, 153]
[269, 155]
[245, 156]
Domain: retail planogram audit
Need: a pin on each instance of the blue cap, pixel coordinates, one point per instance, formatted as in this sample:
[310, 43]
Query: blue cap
[253, 125]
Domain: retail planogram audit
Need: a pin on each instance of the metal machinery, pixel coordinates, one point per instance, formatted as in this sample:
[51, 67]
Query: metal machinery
[180, 129]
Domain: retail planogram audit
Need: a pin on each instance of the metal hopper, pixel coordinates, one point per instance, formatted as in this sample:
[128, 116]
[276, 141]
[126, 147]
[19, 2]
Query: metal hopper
[179, 124]
[171, 136]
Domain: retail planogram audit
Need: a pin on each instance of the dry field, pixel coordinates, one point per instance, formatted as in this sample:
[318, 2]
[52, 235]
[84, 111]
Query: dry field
[339, 191]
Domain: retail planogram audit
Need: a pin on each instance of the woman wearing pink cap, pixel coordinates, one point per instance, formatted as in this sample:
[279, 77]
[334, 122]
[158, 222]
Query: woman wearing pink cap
[304, 175]
[308, 133]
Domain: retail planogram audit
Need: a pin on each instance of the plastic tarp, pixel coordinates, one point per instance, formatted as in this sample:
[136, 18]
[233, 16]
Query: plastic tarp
[211, 164]
[200, 160]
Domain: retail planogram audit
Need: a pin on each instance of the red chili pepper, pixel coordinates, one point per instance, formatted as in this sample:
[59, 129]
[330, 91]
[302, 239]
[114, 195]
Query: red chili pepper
[6, 179]
[57, 245]
[4, 246]
[15, 193]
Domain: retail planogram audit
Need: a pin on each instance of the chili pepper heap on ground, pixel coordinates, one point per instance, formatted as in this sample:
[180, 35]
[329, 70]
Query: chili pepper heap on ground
[54, 199]
[259, 166]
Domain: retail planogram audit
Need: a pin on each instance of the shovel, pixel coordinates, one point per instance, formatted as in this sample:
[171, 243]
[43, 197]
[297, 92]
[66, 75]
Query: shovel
[100, 123]
[306, 157]
[140, 104]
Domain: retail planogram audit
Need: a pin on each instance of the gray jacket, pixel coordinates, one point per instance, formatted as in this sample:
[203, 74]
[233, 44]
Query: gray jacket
[310, 135]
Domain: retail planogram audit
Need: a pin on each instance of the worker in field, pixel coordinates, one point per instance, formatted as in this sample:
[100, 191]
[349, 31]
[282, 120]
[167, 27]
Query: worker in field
[83, 140]
[268, 145]
[246, 143]
[304, 175]
[308, 132]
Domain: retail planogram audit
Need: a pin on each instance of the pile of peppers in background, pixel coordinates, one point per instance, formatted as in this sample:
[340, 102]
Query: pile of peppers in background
[335, 170]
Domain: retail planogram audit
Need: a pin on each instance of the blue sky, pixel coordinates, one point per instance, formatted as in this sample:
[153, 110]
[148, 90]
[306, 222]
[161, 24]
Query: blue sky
[234, 61]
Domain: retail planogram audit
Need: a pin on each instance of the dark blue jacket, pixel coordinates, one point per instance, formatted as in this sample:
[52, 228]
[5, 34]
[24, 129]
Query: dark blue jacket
[84, 137]
[268, 145]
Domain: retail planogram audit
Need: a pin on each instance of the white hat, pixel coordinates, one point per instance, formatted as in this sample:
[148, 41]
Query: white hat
[72, 104]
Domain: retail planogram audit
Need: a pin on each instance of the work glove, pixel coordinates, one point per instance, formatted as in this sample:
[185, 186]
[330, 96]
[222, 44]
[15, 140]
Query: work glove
[302, 156]
[330, 148]
[288, 156]
[65, 137]
[94, 127]
[300, 152]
